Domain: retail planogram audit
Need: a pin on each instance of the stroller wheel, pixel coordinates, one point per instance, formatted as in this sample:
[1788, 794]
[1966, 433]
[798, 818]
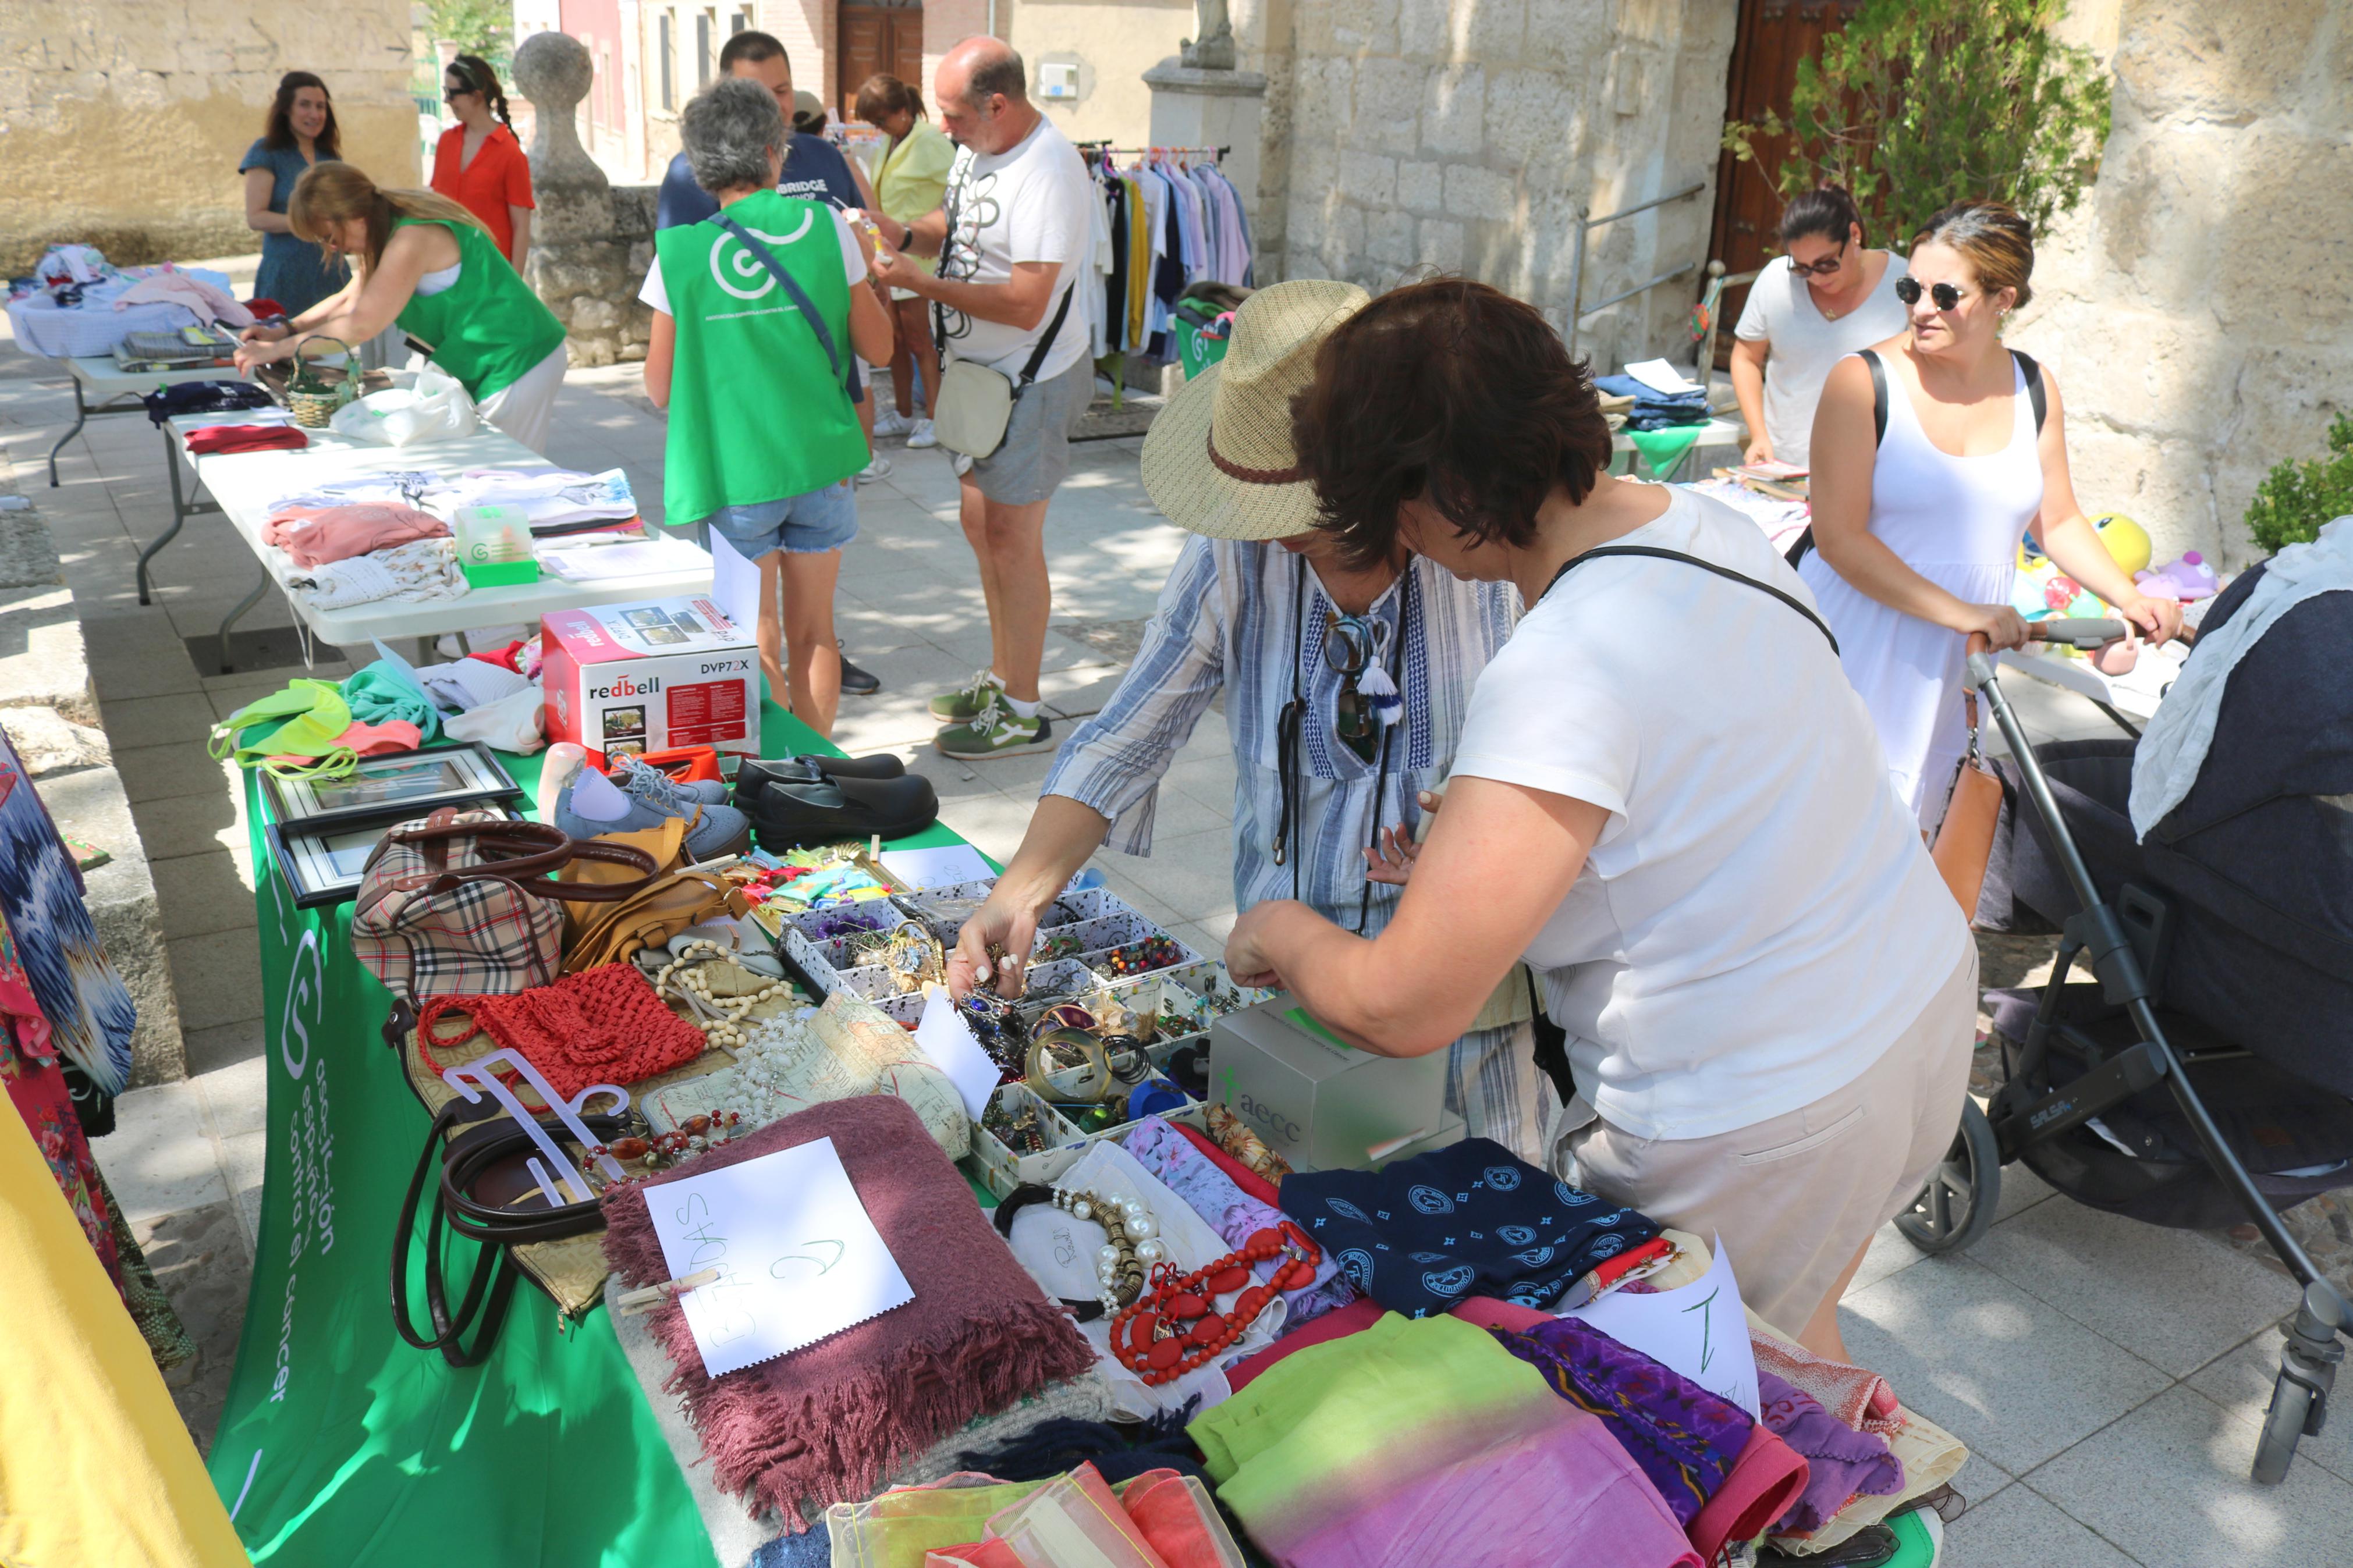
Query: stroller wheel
[2283, 1423]
[1956, 1205]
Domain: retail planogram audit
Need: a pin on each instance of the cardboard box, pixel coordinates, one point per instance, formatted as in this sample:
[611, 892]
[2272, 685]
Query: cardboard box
[1319, 1103]
[647, 677]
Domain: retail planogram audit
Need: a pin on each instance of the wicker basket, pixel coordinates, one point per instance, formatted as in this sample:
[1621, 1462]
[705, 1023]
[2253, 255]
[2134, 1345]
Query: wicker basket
[310, 397]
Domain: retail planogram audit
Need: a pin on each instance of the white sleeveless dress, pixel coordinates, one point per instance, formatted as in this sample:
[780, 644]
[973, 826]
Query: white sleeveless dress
[1957, 521]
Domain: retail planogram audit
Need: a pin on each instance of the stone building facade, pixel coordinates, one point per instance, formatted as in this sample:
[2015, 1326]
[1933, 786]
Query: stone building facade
[123, 119]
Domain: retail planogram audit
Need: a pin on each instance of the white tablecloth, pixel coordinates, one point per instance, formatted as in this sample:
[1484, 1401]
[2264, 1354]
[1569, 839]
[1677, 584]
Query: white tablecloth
[95, 326]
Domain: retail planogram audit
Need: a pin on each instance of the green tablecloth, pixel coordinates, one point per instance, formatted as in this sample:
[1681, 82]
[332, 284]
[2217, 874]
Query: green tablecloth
[342, 1444]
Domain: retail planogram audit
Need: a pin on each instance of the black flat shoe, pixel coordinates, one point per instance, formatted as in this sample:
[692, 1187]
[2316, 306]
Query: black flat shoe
[785, 813]
[857, 682]
[755, 776]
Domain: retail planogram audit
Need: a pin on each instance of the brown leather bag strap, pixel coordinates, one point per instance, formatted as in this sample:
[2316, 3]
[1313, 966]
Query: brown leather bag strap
[523, 875]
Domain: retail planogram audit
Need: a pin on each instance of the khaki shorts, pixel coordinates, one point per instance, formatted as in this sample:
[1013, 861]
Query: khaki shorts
[1796, 1197]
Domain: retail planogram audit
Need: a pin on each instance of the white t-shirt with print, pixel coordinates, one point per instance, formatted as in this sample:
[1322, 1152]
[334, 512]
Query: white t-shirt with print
[853, 262]
[1759, 919]
[1028, 204]
[1805, 344]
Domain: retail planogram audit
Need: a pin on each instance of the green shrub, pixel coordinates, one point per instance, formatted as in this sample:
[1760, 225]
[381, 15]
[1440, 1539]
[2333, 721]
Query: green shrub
[2296, 498]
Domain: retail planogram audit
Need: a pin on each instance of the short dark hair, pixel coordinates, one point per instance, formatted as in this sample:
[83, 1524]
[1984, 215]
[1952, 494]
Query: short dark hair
[1451, 393]
[751, 46]
[991, 76]
[1825, 210]
[278, 134]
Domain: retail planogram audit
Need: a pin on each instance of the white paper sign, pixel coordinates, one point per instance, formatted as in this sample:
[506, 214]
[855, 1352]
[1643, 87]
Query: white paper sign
[1659, 376]
[1700, 1330]
[940, 867]
[798, 1259]
[734, 582]
[944, 1037]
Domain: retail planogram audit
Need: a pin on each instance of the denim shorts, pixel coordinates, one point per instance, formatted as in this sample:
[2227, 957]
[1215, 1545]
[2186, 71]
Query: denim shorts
[808, 524]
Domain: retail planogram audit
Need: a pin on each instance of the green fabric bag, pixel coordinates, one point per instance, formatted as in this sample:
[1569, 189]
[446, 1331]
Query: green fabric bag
[316, 717]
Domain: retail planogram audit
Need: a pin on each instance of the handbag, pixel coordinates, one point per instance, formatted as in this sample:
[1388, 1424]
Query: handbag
[976, 403]
[1964, 843]
[459, 903]
[648, 914]
[483, 1191]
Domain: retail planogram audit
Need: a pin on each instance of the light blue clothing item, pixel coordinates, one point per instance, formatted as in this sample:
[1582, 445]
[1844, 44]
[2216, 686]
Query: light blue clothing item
[294, 272]
[808, 524]
[1226, 621]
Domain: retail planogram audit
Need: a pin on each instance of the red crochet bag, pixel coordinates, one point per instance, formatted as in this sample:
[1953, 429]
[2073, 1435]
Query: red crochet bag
[606, 1025]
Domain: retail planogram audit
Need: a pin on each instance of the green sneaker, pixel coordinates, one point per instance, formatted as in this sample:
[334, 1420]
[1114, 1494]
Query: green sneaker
[967, 702]
[994, 731]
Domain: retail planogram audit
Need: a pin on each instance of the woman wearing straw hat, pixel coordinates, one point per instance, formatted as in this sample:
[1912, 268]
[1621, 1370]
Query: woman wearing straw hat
[1345, 689]
[1667, 797]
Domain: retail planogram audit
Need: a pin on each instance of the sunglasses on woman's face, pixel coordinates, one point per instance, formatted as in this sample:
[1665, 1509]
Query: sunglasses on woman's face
[1946, 296]
[1825, 266]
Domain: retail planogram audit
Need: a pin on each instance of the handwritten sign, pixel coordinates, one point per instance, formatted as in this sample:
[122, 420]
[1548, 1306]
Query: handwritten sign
[798, 1259]
[1700, 1330]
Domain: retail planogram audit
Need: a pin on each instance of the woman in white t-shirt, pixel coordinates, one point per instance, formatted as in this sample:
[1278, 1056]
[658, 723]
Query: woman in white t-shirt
[1666, 796]
[1825, 296]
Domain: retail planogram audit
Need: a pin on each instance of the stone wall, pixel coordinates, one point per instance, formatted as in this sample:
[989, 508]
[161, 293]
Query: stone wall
[593, 241]
[2199, 308]
[1465, 136]
[123, 119]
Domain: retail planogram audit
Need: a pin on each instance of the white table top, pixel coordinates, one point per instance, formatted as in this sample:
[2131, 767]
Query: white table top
[246, 483]
[104, 377]
[2135, 694]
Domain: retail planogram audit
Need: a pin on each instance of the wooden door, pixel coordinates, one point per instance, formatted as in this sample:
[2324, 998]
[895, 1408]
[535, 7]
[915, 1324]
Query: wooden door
[871, 38]
[1773, 36]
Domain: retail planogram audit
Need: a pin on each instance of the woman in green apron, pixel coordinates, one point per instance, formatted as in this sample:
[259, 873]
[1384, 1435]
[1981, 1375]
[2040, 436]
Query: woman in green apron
[426, 264]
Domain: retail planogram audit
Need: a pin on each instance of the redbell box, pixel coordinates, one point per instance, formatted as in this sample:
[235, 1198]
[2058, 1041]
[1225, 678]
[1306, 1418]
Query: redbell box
[646, 677]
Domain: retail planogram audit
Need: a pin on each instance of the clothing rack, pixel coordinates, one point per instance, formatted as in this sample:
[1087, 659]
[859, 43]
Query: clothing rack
[1106, 150]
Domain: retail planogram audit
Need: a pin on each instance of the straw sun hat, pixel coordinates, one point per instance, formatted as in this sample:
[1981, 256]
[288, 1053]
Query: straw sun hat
[1218, 459]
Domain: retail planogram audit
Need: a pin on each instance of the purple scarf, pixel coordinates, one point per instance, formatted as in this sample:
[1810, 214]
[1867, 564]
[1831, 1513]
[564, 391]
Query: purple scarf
[1233, 1214]
[1685, 1439]
[1842, 1463]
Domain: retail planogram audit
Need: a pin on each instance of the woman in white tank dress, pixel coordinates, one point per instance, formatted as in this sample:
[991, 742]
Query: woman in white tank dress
[1917, 532]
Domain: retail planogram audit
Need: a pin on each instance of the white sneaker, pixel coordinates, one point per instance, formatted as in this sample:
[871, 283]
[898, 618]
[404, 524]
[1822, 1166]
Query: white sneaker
[879, 468]
[921, 434]
[891, 422]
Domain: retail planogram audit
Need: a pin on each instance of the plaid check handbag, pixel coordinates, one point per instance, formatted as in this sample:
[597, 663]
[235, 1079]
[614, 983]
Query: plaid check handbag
[462, 903]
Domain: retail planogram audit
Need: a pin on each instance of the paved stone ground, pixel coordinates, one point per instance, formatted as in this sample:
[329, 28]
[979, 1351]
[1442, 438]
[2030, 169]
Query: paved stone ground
[2108, 1376]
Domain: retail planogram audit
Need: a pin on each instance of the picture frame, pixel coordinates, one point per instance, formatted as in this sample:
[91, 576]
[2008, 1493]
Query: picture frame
[391, 787]
[323, 862]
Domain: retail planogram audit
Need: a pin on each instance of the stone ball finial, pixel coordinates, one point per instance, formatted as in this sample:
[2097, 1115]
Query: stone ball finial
[553, 70]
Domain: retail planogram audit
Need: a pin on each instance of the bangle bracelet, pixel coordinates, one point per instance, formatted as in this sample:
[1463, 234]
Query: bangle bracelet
[1037, 1069]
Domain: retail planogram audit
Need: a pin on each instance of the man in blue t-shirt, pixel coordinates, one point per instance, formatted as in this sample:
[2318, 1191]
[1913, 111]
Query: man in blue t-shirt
[815, 169]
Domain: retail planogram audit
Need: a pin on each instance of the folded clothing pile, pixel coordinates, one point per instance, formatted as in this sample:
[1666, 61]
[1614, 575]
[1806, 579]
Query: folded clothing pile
[203, 398]
[554, 500]
[217, 440]
[401, 487]
[427, 569]
[315, 535]
[1653, 409]
[829, 1422]
[1160, 1519]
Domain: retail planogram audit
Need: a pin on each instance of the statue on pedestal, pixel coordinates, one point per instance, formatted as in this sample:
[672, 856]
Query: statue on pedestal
[1215, 49]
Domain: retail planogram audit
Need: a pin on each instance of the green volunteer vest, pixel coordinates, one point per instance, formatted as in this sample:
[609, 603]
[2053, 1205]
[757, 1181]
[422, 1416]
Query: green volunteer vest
[488, 327]
[757, 412]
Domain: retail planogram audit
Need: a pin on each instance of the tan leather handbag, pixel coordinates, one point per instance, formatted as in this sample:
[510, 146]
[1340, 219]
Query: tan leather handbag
[1965, 838]
[649, 916]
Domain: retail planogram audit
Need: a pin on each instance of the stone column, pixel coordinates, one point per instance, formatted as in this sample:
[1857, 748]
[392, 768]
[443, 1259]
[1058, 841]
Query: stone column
[584, 262]
[1197, 107]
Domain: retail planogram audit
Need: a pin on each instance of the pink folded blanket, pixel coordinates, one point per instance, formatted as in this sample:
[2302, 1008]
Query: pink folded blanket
[315, 535]
[829, 1422]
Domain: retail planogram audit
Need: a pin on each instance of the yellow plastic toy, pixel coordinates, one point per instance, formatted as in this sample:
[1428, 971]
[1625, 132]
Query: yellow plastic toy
[2127, 541]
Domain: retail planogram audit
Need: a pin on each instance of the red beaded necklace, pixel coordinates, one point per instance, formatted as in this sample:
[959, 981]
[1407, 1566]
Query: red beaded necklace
[1174, 1327]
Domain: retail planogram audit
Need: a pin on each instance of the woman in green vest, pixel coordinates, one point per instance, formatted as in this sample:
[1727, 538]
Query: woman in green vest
[427, 264]
[757, 310]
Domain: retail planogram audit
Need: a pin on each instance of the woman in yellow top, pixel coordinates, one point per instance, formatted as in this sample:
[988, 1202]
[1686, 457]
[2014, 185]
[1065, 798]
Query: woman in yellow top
[910, 183]
[426, 263]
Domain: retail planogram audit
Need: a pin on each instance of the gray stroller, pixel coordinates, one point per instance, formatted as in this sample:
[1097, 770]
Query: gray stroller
[2205, 1075]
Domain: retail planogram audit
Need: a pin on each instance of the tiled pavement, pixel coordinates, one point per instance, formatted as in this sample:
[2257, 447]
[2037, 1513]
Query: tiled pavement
[2109, 1377]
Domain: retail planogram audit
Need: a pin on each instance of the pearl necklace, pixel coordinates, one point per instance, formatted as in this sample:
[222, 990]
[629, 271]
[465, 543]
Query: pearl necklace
[1132, 1242]
[721, 1018]
[758, 1090]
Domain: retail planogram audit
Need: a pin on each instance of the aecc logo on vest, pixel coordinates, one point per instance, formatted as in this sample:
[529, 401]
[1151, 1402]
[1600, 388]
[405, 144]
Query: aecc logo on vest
[728, 255]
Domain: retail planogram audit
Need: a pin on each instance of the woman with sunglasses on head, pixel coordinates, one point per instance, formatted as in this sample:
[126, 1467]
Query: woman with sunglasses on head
[1345, 686]
[1666, 797]
[1823, 298]
[1935, 453]
[422, 263]
[478, 163]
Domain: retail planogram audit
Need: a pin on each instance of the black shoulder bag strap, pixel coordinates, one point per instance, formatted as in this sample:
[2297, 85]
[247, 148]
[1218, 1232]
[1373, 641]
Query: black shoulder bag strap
[1053, 331]
[794, 291]
[1574, 561]
[2035, 396]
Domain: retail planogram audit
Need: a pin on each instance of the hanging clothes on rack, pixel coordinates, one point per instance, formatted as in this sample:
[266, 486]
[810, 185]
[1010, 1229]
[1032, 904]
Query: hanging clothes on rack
[1170, 219]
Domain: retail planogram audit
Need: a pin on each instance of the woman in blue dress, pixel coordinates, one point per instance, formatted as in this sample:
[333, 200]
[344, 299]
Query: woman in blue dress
[302, 132]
